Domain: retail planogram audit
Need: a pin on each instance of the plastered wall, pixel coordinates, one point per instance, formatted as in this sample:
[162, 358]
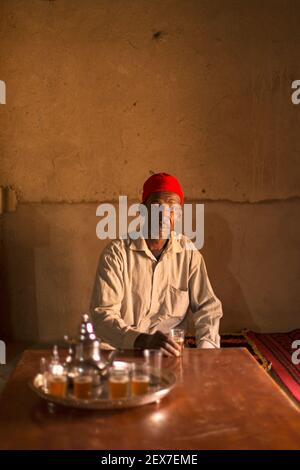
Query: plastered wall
[100, 94]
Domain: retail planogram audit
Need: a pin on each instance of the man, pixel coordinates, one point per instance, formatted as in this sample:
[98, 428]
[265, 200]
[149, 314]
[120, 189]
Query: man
[145, 286]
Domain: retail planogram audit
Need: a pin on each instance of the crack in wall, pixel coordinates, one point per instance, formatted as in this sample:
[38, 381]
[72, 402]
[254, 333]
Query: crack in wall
[186, 200]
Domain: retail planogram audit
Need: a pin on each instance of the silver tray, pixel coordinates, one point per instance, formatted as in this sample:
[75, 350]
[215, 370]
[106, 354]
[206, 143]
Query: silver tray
[155, 394]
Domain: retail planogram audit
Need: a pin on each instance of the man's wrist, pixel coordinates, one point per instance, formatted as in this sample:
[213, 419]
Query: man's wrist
[140, 341]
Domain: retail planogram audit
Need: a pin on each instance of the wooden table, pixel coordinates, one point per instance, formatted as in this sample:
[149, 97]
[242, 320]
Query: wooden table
[223, 400]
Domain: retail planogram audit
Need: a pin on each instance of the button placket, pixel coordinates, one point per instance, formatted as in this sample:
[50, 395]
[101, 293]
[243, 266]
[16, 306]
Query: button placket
[153, 287]
[155, 276]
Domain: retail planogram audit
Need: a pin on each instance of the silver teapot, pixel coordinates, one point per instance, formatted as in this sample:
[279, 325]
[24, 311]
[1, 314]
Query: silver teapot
[84, 354]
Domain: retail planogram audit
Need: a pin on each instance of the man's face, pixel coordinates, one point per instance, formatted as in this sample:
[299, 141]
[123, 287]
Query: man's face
[165, 207]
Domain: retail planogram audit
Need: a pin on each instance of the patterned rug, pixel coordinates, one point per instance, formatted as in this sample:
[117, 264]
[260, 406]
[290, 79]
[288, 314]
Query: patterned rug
[278, 349]
[235, 341]
[271, 350]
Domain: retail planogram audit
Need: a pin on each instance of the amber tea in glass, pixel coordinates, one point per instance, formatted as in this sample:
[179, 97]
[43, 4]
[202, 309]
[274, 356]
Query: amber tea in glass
[177, 335]
[57, 385]
[83, 386]
[140, 379]
[118, 382]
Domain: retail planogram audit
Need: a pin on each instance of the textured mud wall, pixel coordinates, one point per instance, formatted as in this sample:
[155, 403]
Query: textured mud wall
[101, 93]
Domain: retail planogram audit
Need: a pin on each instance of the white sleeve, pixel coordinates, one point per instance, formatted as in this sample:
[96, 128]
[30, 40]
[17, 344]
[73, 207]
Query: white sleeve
[106, 301]
[205, 306]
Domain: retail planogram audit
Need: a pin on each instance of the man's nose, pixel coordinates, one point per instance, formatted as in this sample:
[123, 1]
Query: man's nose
[164, 216]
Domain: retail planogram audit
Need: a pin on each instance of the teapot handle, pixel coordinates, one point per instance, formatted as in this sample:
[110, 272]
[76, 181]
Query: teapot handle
[111, 357]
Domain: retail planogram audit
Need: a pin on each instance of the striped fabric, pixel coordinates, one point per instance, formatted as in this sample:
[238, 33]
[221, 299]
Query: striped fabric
[277, 348]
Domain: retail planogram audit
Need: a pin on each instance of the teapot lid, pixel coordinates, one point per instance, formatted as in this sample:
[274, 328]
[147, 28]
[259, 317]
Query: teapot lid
[86, 329]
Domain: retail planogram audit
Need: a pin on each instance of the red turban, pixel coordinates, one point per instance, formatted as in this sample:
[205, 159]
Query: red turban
[161, 182]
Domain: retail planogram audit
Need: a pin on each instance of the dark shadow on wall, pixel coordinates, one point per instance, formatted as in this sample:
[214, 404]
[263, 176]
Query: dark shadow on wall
[217, 252]
[21, 234]
[6, 329]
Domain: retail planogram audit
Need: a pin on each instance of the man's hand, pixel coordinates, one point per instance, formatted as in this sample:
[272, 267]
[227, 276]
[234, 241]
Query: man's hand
[157, 340]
